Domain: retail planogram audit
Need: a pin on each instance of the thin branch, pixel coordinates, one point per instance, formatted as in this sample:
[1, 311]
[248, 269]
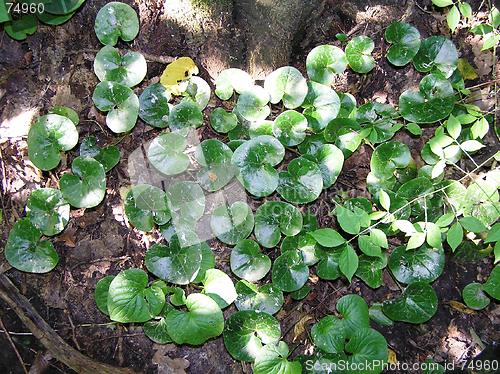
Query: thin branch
[23, 365]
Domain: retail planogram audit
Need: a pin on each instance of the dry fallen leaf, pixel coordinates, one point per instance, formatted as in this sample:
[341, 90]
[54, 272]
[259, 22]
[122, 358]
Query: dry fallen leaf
[300, 326]
[167, 365]
[462, 308]
[176, 72]
[392, 357]
[466, 70]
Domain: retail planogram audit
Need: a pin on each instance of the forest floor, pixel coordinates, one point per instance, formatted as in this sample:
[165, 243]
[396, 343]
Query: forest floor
[55, 67]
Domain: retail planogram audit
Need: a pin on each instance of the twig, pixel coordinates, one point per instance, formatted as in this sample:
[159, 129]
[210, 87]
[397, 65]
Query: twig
[23, 365]
[73, 335]
[17, 333]
[422, 9]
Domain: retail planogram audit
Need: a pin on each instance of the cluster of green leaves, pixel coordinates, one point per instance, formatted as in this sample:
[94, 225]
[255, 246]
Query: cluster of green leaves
[20, 17]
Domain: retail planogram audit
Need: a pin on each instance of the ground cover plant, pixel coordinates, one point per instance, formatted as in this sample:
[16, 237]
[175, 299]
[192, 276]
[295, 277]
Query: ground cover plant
[277, 146]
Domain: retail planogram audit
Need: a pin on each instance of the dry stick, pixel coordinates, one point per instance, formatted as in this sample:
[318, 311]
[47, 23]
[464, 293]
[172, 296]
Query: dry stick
[23, 365]
[58, 348]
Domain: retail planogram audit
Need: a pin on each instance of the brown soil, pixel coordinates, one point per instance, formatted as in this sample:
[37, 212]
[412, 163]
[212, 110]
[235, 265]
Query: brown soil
[54, 66]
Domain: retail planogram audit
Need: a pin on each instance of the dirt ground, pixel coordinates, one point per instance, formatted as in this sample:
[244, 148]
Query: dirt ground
[55, 67]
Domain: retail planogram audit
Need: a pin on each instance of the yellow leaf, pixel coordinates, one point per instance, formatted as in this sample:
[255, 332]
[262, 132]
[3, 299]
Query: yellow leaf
[392, 358]
[176, 72]
[462, 308]
[300, 326]
[466, 70]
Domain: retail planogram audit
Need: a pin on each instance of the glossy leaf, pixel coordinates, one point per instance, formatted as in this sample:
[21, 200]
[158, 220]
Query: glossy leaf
[359, 54]
[416, 265]
[302, 182]
[167, 153]
[492, 284]
[474, 296]
[370, 270]
[288, 85]
[289, 273]
[222, 121]
[231, 80]
[116, 20]
[219, 287]
[154, 107]
[129, 69]
[405, 42]
[101, 293]
[436, 53]
[273, 218]
[185, 116]
[267, 298]
[321, 105]
[248, 262]
[417, 304]
[290, 128]
[272, 359]
[323, 62]
[108, 156]
[252, 104]
[146, 206]
[214, 157]
[48, 211]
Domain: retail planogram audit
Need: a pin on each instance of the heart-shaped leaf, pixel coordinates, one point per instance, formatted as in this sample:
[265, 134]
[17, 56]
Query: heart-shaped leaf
[423, 264]
[367, 346]
[323, 62]
[146, 206]
[305, 244]
[289, 271]
[255, 159]
[231, 80]
[19, 29]
[202, 321]
[330, 160]
[219, 287]
[359, 54]
[248, 262]
[436, 53]
[272, 359]
[252, 104]
[62, 7]
[370, 270]
[321, 105]
[207, 262]
[107, 156]
[47, 210]
[432, 102]
[215, 159]
[116, 20]
[167, 153]
[302, 183]
[328, 266]
[110, 65]
[287, 84]
[290, 128]
[222, 121]
[26, 252]
[186, 201]
[50, 135]
[230, 224]
[86, 187]
[345, 133]
[101, 293]
[273, 218]
[154, 108]
[474, 296]
[388, 157]
[156, 329]
[198, 90]
[131, 300]
[246, 331]
[121, 103]
[185, 116]
[267, 298]
[66, 112]
[405, 40]
[378, 121]
[417, 304]
[173, 263]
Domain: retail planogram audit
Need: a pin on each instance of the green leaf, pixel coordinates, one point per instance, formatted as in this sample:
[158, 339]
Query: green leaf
[377, 315]
[436, 53]
[348, 262]
[248, 262]
[442, 3]
[86, 187]
[252, 104]
[453, 18]
[494, 17]
[384, 199]
[453, 126]
[146, 206]
[186, 201]
[330, 160]
[348, 220]
[366, 346]
[490, 41]
[4, 13]
[50, 135]
[290, 128]
[481, 29]
[207, 262]
[370, 270]
[108, 156]
[474, 296]
[185, 116]
[273, 218]
[272, 359]
[345, 133]
[246, 331]
[222, 121]
[110, 65]
[416, 240]
[48, 211]
[232, 224]
[231, 80]
[19, 29]
[472, 224]
[199, 91]
[62, 7]
[328, 237]
[154, 108]
[256, 159]
[287, 84]
[358, 53]
[217, 171]
[173, 263]
[202, 321]
[289, 273]
[301, 293]
[480, 128]
[323, 62]
[305, 244]
[414, 129]
[471, 146]
[131, 300]
[388, 157]
[321, 105]
[121, 103]
[328, 266]
[167, 153]
[116, 20]
[219, 287]
[66, 112]
[156, 329]
[417, 304]
[267, 298]
[416, 265]
[367, 246]
[405, 40]
[433, 101]
[302, 183]
[101, 293]
[26, 252]
[492, 284]
[493, 234]
[465, 9]
[53, 19]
